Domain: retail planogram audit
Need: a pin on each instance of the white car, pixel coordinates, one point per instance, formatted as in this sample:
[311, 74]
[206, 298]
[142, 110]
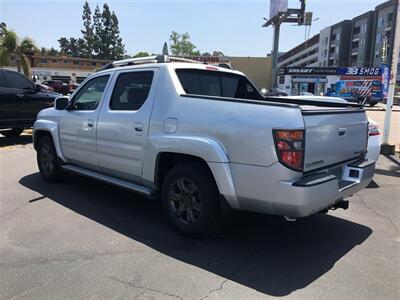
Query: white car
[374, 140]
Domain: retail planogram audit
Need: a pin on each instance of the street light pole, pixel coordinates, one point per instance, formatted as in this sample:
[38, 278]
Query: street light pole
[275, 51]
[386, 148]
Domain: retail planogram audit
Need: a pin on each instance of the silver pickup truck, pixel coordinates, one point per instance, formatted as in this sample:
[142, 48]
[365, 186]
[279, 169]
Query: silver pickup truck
[205, 141]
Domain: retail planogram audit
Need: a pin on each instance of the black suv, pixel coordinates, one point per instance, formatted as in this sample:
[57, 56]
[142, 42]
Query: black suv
[20, 102]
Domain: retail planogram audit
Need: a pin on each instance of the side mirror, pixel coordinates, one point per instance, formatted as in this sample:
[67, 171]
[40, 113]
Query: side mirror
[61, 103]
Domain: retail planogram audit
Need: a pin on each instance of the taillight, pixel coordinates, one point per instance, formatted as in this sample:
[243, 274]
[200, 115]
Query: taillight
[289, 145]
[373, 130]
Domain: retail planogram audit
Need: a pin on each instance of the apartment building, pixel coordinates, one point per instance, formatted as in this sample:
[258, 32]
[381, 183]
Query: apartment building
[303, 55]
[339, 44]
[360, 41]
[324, 42]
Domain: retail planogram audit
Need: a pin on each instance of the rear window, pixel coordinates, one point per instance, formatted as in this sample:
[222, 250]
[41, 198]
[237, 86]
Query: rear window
[211, 83]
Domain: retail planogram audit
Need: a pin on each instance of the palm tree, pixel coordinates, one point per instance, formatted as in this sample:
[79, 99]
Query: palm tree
[10, 44]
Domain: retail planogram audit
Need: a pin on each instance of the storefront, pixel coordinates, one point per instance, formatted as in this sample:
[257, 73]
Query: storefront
[322, 81]
[301, 81]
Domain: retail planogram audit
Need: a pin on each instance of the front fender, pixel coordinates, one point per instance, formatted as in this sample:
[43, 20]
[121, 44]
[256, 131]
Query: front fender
[52, 128]
[205, 148]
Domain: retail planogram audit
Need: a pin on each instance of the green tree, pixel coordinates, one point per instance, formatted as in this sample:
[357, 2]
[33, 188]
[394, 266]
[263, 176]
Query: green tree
[98, 29]
[141, 54]
[217, 53]
[10, 44]
[117, 47]
[165, 49]
[106, 33]
[3, 28]
[87, 31]
[181, 45]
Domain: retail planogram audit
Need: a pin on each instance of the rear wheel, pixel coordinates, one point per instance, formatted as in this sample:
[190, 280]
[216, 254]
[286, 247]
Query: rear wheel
[12, 132]
[372, 104]
[190, 199]
[49, 165]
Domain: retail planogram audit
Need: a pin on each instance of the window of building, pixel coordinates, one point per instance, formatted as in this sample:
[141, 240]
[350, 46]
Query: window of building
[325, 53]
[93, 63]
[43, 61]
[326, 41]
[54, 61]
[76, 62]
[65, 61]
[324, 63]
[337, 49]
[389, 18]
[338, 36]
[380, 22]
[364, 28]
[131, 90]
[378, 38]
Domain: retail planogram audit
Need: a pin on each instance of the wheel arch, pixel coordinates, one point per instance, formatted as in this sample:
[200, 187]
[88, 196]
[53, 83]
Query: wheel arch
[42, 128]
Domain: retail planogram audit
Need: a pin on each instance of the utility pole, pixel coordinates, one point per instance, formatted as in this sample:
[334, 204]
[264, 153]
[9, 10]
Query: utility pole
[291, 15]
[386, 148]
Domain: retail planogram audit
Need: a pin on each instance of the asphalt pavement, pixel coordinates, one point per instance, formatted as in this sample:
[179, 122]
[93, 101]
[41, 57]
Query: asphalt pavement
[82, 239]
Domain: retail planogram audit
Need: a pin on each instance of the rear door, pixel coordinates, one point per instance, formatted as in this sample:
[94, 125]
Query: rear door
[7, 103]
[19, 86]
[123, 123]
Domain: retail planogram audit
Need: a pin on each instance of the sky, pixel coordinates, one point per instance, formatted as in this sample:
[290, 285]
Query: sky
[230, 26]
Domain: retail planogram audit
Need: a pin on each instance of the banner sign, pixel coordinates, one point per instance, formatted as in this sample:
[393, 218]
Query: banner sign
[333, 71]
[309, 71]
[277, 6]
[360, 71]
[385, 80]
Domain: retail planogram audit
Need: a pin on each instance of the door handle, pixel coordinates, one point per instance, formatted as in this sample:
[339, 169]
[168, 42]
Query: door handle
[138, 127]
[89, 125]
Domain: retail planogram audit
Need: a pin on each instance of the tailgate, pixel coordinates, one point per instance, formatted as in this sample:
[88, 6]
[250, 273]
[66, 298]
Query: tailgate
[333, 136]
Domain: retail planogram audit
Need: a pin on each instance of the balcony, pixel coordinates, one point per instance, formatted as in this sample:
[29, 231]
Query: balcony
[356, 37]
[354, 51]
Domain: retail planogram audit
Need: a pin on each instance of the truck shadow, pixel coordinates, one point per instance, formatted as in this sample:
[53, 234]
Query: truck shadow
[261, 252]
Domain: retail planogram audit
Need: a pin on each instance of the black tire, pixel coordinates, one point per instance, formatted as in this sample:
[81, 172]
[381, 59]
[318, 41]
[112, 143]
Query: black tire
[372, 104]
[190, 200]
[12, 132]
[47, 160]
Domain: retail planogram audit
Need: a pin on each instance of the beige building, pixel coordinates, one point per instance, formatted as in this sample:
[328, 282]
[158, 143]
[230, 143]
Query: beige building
[258, 69]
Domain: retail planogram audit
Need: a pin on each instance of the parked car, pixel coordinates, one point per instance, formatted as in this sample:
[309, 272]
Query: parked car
[72, 87]
[206, 141]
[57, 86]
[374, 140]
[20, 101]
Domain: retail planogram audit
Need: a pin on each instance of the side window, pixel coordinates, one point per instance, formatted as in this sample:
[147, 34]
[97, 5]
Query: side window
[211, 83]
[131, 90]
[18, 81]
[89, 96]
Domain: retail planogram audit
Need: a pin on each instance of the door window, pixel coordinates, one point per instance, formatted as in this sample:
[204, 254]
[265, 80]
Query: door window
[2, 81]
[18, 81]
[89, 96]
[131, 90]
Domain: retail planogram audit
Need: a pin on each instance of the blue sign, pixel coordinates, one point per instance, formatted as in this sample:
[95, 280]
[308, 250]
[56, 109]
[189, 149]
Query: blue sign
[385, 80]
[359, 71]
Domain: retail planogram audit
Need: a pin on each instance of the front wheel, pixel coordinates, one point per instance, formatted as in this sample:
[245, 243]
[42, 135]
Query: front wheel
[49, 165]
[14, 132]
[190, 199]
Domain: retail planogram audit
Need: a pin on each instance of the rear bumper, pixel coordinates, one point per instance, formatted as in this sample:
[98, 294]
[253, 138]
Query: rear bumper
[303, 196]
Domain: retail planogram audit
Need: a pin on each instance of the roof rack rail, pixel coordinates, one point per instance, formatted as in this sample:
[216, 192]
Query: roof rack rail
[153, 59]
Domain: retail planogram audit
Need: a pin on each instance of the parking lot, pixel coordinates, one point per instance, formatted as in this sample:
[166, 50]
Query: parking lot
[84, 239]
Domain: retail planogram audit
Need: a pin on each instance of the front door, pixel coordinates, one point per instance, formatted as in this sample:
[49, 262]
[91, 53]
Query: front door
[78, 123]
[124, 123]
